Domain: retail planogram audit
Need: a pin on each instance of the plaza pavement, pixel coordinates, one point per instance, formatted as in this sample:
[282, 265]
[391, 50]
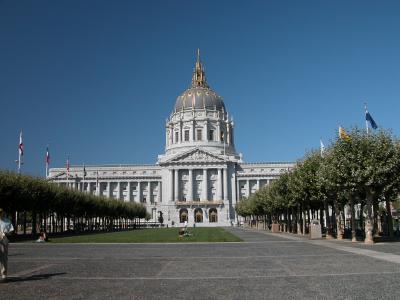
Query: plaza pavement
[265, 266]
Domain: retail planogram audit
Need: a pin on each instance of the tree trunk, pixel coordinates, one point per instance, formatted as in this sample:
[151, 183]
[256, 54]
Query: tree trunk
[339, 224]
[25, 222]
[353, 220]
[328, 222]
[368, 219]
[298, 216]
[33, 230]
[389, 216]
[376, 218]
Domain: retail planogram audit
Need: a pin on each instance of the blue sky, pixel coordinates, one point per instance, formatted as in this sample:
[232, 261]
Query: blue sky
[97, 79]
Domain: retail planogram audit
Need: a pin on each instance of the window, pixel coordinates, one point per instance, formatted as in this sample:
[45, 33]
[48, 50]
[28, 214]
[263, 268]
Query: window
[186, 135]
[199, 134]
[213, 215]
[198, 215]
[211, 135]
[222, 136]
[176, 136]
[183, 215]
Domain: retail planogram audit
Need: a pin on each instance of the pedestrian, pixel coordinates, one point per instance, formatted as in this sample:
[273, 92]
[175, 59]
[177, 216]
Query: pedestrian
[5, 228]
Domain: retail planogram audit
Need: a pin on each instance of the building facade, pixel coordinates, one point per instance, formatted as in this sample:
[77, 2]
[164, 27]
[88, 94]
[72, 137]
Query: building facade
[199, 178]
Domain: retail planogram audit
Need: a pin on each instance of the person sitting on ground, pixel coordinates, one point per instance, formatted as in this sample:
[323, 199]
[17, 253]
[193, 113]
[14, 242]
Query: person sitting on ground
[42, 237]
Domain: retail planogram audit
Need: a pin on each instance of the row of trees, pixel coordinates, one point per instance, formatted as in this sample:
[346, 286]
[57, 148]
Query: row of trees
[42, 204]
[361, 171]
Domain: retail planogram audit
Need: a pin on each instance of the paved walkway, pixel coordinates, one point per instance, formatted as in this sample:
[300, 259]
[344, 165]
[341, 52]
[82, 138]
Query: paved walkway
[265, 266]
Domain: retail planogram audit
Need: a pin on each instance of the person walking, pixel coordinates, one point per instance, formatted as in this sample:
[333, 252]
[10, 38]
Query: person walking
[5, 228]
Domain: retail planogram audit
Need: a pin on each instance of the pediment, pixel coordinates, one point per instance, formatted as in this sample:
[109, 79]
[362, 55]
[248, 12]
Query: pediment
[197, 155]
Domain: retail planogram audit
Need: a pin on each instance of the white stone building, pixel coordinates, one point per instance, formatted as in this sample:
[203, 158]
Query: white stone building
[199, 178]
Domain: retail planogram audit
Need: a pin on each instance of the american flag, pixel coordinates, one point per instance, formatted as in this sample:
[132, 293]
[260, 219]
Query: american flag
[47, 156]
[21, 145]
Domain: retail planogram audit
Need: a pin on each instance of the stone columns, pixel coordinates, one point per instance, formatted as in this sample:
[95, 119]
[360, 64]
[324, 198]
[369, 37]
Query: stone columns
[109, 189]
[225, 184]
[205, 133]
[192, 136]
[219, 185]
[190, 185]
[98, 189]
[129, 190]
[205, 185]
[218, 131]
[247, 188]
[176, 183]
[258, 184]
[149, 192]
[171, 185]
[118, 190]
[228, 134]
[139, 191]
[159, 191]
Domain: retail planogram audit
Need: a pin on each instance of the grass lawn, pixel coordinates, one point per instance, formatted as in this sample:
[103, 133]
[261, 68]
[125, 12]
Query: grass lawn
[157, 235]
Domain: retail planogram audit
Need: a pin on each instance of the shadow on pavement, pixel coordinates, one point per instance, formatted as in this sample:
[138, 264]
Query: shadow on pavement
[33, 277]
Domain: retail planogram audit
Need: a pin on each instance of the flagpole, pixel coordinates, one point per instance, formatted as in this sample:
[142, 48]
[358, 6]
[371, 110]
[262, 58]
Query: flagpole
[20, 149]
[68, 171]
[97, 183]
[366, 121]
[83, 180]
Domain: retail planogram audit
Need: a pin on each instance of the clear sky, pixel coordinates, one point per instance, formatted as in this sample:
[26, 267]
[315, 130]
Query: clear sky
[97, 79]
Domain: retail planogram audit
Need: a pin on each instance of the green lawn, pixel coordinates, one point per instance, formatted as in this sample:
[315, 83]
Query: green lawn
[158, 235]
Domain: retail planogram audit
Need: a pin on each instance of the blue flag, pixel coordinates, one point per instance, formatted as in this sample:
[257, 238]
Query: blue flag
[371, 121]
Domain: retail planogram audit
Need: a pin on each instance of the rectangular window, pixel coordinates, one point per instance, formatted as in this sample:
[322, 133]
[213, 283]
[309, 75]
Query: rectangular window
[199, 134]
[211, 135]
[176, 136]
[186, 135]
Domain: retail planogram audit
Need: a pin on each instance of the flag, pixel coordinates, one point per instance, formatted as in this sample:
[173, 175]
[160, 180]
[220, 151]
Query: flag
[47, 156]
[21, 145]
[343, 134]
[369, 119]
[322, 147]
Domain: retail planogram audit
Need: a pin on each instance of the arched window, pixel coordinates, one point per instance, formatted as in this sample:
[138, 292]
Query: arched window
[183, 215]
[198, 215]
[213, 215]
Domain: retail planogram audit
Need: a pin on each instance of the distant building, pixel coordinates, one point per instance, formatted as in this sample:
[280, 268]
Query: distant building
[198, 179]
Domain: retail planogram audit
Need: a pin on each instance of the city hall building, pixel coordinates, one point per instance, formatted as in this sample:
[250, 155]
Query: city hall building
[199, 178]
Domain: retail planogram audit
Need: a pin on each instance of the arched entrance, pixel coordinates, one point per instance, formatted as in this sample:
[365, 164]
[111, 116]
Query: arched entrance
[213, 215]
[183, 215]
[198, 215]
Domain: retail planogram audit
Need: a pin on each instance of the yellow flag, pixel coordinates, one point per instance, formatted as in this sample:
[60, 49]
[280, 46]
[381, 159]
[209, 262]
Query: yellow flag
[343, 134]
